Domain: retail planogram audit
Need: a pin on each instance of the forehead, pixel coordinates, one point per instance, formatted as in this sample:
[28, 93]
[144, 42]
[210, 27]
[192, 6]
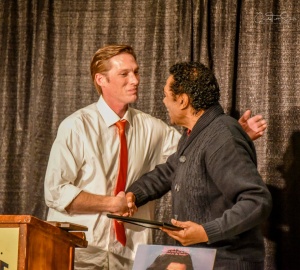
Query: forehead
[123, 61]
[169, 81]
[176, 266]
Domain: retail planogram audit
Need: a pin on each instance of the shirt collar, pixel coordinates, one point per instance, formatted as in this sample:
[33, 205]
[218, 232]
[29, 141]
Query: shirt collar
[109, 116]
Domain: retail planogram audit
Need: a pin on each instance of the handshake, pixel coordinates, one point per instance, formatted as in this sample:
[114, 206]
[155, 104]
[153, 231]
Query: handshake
[125, 204]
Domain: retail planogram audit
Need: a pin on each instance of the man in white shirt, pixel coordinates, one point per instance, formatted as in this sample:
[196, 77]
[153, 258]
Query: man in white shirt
[84, 160]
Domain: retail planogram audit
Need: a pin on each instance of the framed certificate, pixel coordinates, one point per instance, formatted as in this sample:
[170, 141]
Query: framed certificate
[146, 223]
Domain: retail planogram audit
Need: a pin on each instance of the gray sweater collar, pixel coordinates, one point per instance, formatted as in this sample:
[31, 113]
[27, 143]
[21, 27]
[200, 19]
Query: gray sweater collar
[209, 115]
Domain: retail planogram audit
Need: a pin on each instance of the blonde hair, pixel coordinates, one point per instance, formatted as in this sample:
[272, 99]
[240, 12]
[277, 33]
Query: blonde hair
[100, 61]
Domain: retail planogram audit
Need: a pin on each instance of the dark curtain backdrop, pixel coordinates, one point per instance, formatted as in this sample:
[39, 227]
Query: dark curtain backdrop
[252, 46]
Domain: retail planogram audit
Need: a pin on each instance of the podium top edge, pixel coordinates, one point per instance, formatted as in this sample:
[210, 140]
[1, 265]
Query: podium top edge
[18, 220]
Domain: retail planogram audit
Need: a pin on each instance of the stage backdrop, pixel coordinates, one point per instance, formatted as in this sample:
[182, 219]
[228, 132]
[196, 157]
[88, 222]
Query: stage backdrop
[252, 46]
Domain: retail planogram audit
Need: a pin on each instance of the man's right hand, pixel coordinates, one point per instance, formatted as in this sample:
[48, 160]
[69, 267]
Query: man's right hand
[132, 209]
[120, 204]
[254, 126]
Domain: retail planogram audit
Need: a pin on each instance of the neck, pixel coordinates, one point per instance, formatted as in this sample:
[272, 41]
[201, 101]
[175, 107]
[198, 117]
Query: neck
[119, 108]
[191, 119]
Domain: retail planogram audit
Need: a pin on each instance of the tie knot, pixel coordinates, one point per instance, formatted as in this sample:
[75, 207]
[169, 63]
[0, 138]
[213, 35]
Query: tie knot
[121, 124]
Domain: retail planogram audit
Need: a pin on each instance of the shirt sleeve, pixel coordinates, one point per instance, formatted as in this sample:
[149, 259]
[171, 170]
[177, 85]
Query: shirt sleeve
[64, 162]
[170, 143]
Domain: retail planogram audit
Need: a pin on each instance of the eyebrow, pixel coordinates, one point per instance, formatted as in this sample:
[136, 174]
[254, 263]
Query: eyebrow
[128, 69]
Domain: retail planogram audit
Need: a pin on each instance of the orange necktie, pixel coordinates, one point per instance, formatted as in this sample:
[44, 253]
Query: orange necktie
[122, 176]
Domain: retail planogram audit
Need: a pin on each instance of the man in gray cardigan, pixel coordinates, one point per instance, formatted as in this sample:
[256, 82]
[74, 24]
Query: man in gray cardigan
[218, 196]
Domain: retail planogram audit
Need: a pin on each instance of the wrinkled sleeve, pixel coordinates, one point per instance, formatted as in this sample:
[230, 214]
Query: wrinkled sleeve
[65, 160]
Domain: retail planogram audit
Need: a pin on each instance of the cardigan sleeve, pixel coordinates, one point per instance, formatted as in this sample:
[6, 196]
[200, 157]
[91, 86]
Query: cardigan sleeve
[242, 187]
[155, 184]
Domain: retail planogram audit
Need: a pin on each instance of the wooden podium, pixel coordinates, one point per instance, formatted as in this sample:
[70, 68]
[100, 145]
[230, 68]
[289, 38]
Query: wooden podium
[28, 243]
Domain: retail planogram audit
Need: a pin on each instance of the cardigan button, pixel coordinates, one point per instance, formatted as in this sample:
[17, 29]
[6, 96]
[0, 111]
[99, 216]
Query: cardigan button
[182, 159]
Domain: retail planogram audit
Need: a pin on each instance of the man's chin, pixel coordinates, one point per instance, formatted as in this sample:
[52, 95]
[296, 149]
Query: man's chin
[171, 122]
[133, 99]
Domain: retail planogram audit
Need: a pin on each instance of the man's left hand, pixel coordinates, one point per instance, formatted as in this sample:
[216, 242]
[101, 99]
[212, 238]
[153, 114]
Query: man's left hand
[192, 233]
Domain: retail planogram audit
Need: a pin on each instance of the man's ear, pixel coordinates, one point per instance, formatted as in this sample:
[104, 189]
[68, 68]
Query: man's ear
[184, 101]
[100, 79]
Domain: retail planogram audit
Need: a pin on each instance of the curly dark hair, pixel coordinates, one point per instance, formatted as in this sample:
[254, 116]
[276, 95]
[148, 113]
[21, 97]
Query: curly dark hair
[198, 82]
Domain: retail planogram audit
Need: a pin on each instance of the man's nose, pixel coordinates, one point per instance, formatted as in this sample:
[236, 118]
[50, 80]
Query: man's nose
[135, 79]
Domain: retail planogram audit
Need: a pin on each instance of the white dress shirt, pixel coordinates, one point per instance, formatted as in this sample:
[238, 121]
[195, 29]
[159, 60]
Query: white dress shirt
[85, 156]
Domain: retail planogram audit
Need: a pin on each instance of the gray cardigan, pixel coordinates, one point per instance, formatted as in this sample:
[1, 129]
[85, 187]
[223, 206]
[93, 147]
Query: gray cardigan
[215, 182]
